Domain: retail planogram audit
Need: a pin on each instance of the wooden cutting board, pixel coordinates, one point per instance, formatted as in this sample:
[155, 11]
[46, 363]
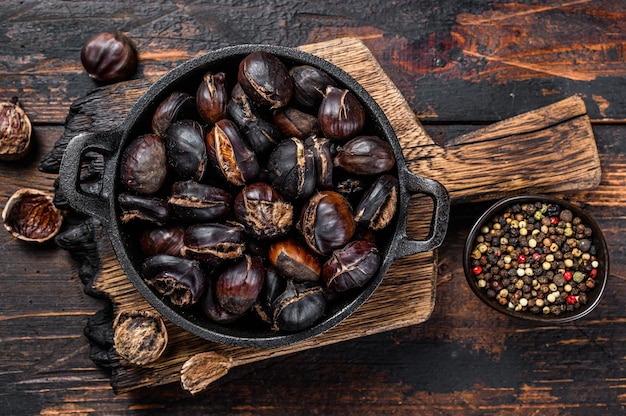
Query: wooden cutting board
[551, 149]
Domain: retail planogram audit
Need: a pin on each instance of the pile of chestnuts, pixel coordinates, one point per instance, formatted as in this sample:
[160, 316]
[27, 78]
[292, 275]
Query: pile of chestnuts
[265, 194]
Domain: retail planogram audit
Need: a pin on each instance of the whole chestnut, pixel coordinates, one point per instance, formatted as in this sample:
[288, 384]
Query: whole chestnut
[295, 123]
[291, 169]
[198, 202]
[326, 222]
[265, 79]
[212, 97]
[143, 167]
[176, 106]
[231, 155]
[365, 155]
[211, 308]
[213, 243]
[162, 240]
[180, 280]
[322, 156]
[298, 307]
[15, 131]
[341, 115]
[351, 266]
[238, 285]
[262, 211]
[294, 261]
[186, 150]
[309, 85]
[109, 57]
[145, 208]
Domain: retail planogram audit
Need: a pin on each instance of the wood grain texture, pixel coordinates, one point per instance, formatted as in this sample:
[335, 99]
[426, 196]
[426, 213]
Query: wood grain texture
[461, 65]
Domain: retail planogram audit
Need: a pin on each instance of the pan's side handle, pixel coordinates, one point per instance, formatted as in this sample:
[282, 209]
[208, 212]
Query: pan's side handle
[92, 201]
[439, 222]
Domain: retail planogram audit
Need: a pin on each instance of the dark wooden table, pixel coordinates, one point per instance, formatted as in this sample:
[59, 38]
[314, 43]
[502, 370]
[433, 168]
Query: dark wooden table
[460, 65]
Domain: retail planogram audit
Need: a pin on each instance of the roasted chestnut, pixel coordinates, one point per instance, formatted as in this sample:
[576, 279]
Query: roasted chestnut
[15, 131]
[378, 205]
[326, 222]
[231, 155]
[295, 123]
[197, 202]
[180, 280]
[351, 266]
[273, 287]
[265, 79]
[211, 308]
[238, 285]
[291, 169]
[109, 57]
[213, 243]
[143, 166]
[262, 211]
[177, 106]
[320, 149]
[294, 261]
[365, 155]
[145, 208]
[212, 97]
[341, 115]
[162, 240]
[309, 85]
[186, 149]
[30, 215]
[298, 307]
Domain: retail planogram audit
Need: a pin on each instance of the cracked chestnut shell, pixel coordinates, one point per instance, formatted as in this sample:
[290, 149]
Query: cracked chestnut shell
[351, 266]
[179, 279]
[326, 222]
[309, 85]
[109, 57]
[231, 155]
[265, 79]
[143, 166]
[322, 156]
[263, 211]
[30, 215]
[294, 261]
[365, 155]
[197, 202]
[291, 169]
[341, 115]
[212, 97]
[298, 307]
[144, 208]
[186, 149]
[15, 131]
[378, 205]
[214, 243]
[239, 285]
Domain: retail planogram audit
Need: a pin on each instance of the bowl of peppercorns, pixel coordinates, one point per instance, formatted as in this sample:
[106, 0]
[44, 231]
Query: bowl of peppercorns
[537, 258]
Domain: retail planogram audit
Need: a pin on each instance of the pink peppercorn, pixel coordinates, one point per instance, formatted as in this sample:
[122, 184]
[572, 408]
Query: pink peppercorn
[567, 275]
[536, 256]
[571, 299]
[554, 220]
[521, 258]
[477, 270]
[593, 273]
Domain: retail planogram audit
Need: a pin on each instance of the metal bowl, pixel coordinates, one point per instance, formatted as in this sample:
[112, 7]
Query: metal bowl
[103, 204]
[597, 241]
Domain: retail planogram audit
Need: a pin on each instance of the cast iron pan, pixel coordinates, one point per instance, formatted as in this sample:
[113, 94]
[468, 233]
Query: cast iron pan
[186, 77]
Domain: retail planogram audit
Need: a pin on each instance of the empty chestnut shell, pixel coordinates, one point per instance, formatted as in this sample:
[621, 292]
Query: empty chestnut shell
[30, 215]
[197, 202]
[294, 261]
[180, 280]
[143, 166]
[186, 149]
[214, 243]
[298, 307]
[265, 79]
[15, 131]
[109, 57]
[351, 266]
[309, 85]
[231, 155]
[162, 240]
[326, 222]
[341, 115]
[378, 205]
[212, 97]
[365, 155]
[139, 337]
[177, 106]
[238, 285]
[144, 208]
[262, 211]
[291, 169]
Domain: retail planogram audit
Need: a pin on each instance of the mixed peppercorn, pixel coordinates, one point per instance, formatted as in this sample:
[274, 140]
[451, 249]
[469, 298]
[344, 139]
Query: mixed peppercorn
[535, 257]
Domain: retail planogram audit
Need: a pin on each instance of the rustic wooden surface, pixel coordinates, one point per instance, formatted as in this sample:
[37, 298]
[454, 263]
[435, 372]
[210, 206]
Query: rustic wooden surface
[460, 65]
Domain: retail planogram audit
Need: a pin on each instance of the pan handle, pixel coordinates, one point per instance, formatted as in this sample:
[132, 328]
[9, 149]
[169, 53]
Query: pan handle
[439, 222]
[93, 201]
